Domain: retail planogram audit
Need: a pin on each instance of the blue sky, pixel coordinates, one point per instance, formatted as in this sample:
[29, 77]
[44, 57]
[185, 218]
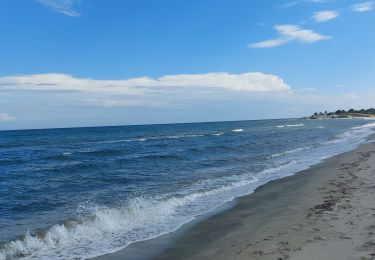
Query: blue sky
[71, 63]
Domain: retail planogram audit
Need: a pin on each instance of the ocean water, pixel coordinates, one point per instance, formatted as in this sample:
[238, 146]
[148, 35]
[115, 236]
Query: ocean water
[85, 192]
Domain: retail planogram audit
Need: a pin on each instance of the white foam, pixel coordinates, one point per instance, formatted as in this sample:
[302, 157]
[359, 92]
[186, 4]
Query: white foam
[184, 136]
[296, 150]
[140, 219]
[269, 171]
[354, 135]
[237, 130]
[366, 126]
[296, 125]
[142, 139]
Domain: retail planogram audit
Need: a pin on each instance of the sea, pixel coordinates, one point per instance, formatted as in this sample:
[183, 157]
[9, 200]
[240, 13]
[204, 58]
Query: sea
[77, 193]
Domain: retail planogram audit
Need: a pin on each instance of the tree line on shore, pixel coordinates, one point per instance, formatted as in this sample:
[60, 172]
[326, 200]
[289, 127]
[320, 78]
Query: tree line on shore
[343, 113]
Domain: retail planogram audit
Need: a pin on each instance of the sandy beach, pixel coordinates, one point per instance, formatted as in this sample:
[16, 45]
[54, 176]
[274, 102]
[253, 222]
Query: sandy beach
[325, 212]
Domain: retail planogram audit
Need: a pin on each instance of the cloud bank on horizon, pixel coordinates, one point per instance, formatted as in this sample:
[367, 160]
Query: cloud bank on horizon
[248, 82]
[56, 94]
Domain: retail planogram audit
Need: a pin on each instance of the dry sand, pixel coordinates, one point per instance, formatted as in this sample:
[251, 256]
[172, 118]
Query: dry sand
[325, 212]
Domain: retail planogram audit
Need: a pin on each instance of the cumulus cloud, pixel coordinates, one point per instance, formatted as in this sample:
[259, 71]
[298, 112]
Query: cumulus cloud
[324, 16]
[61, 6]
[6, 117]
[247, 82]
[289, 33]
[363, 7]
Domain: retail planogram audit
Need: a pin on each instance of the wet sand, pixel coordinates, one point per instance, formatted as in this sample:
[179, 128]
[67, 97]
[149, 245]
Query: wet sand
[325, 212]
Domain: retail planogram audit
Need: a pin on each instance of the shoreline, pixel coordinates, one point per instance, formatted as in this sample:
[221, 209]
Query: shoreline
[294, 216]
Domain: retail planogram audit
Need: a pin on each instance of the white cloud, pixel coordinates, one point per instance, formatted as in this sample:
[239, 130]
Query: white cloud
[61, 6]
[247, 82]
[293, 32]
[324, 16]
[6, 117]
[131, 103]
[296, 2]
[269, 43]
[363, 7]
[288, 33]
[317, 1]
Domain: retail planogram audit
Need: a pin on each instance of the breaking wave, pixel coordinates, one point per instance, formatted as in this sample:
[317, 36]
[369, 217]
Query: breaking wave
[295, 125]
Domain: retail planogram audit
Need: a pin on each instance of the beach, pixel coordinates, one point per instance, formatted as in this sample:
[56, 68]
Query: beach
[324, 212]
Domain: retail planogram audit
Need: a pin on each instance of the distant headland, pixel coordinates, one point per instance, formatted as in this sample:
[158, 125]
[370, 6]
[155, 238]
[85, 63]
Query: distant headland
[344, 114]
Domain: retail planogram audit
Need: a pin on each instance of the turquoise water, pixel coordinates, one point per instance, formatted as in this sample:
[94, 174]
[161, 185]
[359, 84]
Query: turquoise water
[85, 192]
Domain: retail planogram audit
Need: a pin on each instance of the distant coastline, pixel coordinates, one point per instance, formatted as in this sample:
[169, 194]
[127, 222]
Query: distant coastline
[351, 113]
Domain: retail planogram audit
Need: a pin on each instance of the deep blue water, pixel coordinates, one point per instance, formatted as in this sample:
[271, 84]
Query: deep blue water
[84, 192]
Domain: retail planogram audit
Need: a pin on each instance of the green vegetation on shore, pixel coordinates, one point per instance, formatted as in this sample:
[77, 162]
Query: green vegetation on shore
[344, 114]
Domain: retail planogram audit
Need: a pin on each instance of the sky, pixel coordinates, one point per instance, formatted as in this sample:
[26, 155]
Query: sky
[71, 63]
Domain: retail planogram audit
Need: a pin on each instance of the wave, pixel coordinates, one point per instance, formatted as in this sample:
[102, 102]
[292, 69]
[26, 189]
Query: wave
[150, 138]
[59, 157]
[143, 139]
[355, 134]
[295, 125]
[68, 155]
[366, 126]
[292, 151]
[140, 219]
[184, 136]
[278, 168]
[237, 130]
[70, 166]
